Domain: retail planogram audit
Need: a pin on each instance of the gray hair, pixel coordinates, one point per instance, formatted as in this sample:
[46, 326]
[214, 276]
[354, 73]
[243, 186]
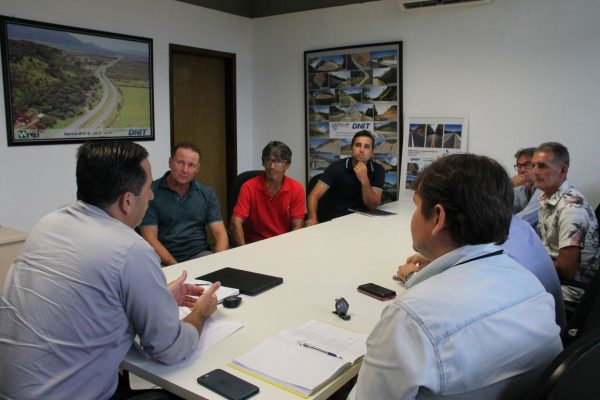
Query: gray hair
[560, 152]
[527, 151]
[278, 150]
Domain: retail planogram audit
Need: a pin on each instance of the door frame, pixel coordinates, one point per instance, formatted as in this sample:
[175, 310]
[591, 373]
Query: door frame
[230, 108]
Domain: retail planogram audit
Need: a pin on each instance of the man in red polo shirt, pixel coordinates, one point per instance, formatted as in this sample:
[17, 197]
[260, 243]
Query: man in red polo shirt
[271, 203]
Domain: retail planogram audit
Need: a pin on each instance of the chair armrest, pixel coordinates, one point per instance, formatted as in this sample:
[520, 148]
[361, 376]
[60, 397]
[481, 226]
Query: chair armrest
[570, 282]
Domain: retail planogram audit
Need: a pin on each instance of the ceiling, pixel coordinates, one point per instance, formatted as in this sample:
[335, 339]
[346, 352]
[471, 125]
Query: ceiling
[265, 8]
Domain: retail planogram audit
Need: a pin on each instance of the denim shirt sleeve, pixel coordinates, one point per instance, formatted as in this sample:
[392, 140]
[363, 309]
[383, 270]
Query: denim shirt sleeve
[398, 370]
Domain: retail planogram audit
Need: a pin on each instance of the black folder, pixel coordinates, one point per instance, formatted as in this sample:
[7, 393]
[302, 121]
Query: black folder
[250, 283]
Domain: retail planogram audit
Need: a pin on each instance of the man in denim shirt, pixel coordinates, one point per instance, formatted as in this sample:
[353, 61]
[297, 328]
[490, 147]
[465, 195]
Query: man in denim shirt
[474, 324]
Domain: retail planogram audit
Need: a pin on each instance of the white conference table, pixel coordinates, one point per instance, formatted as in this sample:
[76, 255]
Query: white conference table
[318, 264]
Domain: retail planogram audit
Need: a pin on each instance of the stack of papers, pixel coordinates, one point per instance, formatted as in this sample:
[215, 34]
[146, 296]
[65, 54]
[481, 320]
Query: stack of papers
[222, 292]
[304, 359]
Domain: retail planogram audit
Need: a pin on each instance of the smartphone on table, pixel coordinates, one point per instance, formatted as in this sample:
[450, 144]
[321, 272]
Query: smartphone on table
[379, 292]
[227, 385]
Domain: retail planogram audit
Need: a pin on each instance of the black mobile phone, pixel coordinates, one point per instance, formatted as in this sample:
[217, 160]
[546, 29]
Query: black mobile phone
[227, 385]
[379, 292]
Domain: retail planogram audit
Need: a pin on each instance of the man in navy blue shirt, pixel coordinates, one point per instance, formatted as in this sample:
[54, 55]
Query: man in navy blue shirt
[353, 182]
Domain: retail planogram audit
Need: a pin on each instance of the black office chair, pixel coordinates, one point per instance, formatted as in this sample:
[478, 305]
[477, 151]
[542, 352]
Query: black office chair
[597, 212]
[235, 192]
[125, 392]
[586, 314]
[238, 182]
[574, 373]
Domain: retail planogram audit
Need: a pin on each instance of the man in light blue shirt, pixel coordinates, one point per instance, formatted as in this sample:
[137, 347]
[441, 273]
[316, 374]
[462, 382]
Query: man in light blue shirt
[86, 284]
[474, 324]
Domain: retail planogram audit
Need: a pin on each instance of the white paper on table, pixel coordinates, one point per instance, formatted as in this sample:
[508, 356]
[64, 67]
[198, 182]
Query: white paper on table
[214, 331]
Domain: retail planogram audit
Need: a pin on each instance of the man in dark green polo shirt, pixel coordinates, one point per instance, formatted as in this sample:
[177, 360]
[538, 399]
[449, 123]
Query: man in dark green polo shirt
[175, 222]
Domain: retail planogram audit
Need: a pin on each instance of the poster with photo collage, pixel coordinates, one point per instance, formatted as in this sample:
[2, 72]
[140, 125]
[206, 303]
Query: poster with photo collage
[429, 137]
[349, 90]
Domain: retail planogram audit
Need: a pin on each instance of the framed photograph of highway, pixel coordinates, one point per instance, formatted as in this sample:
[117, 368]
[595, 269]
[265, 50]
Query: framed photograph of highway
[353, 89]
[69, 85]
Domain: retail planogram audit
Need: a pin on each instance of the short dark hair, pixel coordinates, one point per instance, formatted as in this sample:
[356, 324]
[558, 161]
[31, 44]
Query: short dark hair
[476, 194]
[186, 145]
[560, 152]
[277, 149]
[527, 151]
[107, 169]
[365, 134]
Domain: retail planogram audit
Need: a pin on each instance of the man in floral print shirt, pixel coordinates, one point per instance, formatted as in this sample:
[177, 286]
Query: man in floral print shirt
[567, 224]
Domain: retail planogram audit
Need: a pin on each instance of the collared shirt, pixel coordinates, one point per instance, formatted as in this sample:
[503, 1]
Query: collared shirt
[479, 329]
[344, 188]
[83, 287]
[566, 219]
[181, 221]
[265, 216]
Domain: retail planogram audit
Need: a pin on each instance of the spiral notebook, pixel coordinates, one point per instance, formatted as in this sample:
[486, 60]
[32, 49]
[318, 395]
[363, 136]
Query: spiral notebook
[304, 359]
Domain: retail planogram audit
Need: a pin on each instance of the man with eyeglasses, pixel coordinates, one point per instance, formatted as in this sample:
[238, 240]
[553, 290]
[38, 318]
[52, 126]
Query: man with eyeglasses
[271, 203]
[527, 198]
[176, 220]
[568, 225]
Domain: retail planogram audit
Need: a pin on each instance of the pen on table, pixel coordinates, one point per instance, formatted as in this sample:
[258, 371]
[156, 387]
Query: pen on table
[329, 353]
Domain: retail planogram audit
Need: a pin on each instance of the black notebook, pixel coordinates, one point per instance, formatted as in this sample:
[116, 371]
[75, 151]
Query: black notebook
[371, 213]
[250, 283]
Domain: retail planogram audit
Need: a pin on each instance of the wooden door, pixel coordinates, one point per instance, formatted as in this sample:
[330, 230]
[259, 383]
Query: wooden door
[203, 113]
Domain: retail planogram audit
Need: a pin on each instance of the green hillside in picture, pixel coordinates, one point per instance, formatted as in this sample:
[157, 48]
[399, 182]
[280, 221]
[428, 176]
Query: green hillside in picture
[45, 80]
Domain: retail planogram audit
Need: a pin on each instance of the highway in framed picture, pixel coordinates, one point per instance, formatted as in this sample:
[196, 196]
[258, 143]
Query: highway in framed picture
[65, 84]
[348, 90]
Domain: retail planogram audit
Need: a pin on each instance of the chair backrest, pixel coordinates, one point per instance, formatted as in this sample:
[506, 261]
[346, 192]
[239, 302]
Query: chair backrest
[597, 212]
[574, 373]
[237, 185]
[587, 314]
[235, 192]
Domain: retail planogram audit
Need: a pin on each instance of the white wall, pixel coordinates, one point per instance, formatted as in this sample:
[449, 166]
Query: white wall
[35, 180]
[525, 71]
